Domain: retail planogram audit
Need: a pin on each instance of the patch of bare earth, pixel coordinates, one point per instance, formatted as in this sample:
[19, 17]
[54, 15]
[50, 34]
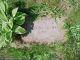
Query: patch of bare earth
[46, 29]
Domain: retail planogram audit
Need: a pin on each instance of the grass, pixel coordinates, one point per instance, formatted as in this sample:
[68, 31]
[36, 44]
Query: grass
[39, 7]
[34, 52]
[69, 50]
[57, 51]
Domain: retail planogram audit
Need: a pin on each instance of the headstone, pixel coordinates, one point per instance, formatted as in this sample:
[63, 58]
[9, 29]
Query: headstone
[46, 29]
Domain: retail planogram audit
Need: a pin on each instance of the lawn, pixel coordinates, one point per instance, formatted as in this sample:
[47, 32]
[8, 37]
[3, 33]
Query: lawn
[68, 50]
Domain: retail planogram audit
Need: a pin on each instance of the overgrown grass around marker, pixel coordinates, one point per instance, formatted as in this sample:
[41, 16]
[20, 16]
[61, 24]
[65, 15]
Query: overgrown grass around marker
[69, 50]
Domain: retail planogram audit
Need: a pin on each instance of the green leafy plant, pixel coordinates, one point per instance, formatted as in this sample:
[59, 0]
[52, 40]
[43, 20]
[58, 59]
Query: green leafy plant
[10, 23]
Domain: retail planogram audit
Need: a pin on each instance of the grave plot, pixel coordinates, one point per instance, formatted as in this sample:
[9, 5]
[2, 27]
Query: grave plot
[46, 29]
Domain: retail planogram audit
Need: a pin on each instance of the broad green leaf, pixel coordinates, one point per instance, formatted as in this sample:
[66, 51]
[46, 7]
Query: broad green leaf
[14, 11]
[5, 27]
[2, 6]
[2, 43]
[10, 23]
[5, 38]
[6, 6]
[2, 11]
[0, 24]
[20, 19]
[8, 36]
[3, 16]
[20, 30]
[2, 40]
[4, 24]
[0, 21]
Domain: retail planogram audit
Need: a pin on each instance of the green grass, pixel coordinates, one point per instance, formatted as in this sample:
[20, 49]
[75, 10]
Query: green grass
[34, 52]
[69, 50]
[39, 7]
[29, 3]
[44, 9]
[73, 42]
[74, 17]
[57, 51]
